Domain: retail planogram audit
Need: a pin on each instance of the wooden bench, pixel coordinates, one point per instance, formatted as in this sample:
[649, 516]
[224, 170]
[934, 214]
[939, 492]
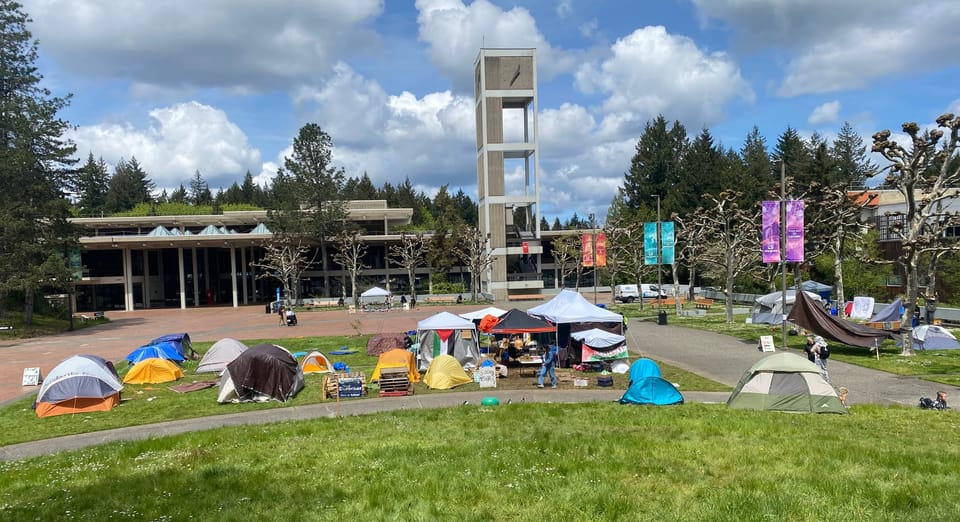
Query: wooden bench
[439, 300]
[526, 297]
[326, 303]
[669, 301]
[703, 303]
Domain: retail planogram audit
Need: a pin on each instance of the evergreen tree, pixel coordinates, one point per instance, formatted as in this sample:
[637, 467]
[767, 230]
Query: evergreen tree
[702, 171]
[850, 157]
[792, 150]
[128, 186]
[544, 225]
[35, 171]
[655, 168]
[179, 195]
[248, 190]
[200, 190]
[466, 207]
[756, 178]
[556, 224]
[92, 185]
[232, 196]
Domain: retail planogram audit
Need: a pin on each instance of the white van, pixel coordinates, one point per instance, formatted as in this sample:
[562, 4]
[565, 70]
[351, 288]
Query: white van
[626, 293]
[652, 292]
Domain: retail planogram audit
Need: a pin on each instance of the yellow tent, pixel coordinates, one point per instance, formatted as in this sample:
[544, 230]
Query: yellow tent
[397, 358]
[153, 371]
[445, 373]
[316, 362]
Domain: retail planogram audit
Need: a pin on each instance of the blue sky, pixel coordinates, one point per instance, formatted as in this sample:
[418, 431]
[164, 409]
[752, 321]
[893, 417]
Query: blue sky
[223, 86]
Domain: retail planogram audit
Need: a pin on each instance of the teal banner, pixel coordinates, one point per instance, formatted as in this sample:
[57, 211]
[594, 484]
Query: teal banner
[76, 264]
[667, 242]
[650, 243]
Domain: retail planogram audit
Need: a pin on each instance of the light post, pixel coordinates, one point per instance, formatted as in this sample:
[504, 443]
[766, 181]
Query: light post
[593, 253]
[661, 315]
[783, 252]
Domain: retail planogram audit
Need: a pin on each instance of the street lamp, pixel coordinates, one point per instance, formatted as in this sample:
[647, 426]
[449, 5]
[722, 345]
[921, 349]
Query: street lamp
[661, 315]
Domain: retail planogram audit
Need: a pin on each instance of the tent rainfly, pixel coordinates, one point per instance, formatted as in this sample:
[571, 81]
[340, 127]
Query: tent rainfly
[262, 373]
[153, 371]
[220, 355]
[80, 384]
[599, 345]
[648, 387]
[785, 382]
[445, 373]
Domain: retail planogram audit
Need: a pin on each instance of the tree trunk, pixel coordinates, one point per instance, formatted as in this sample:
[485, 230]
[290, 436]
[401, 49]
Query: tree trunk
[906, 321]
[323, 257]
[839, 299]
[676, 288]
[728, 285]
[28, 306]
[693, 279]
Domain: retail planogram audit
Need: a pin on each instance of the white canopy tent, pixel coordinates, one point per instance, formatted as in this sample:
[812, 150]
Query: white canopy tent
[571, 307]
[448, 334]
[375, 292]
[480, 314]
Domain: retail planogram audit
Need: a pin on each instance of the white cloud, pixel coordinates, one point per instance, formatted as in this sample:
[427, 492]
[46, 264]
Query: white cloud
[455, 32]
[835, 46]
[180, 140]
[564, 8]
[214, 43]
[826, 113]
[651, 72]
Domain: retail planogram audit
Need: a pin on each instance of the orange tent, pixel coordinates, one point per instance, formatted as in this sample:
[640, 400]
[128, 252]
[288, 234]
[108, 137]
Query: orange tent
[152, 371]
[397, 358]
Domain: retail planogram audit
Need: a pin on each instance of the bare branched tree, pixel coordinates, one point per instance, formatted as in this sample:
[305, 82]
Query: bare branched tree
[285, 259]
[631, 251]
[615, 230]
[732, 235]
[473, 251]
[927, 176]
[690, 240]
[566, 257]
[350, 257]
[410, 253]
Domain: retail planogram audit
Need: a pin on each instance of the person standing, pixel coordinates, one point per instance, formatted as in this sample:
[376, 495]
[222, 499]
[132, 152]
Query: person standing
[821, 352]
[548, 368]
[281, 312]
[930, 306]
[808, 349]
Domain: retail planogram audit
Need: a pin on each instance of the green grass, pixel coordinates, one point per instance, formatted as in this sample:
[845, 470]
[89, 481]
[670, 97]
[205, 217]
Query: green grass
[152, 403]
[42, 325]
[593, 461]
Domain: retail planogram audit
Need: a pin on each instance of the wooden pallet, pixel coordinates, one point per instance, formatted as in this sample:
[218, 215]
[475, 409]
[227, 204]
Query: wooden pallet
[395, 382]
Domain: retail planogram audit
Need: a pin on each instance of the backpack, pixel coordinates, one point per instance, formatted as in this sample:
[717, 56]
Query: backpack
[824, 351]
[927, 403]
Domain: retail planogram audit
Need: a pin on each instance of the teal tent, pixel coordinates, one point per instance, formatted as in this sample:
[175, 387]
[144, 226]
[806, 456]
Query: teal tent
[647, 387]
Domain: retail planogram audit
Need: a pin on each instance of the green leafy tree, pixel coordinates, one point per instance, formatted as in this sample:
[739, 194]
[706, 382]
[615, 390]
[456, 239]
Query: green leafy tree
[36, 168]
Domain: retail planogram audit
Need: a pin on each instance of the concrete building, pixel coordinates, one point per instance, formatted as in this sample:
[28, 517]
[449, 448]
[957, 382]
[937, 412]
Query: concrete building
[505, 86]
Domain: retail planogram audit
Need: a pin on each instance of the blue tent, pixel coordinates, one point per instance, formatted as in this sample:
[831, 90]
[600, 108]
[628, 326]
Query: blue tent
[161, 350]
[647, 387]
[181, 342]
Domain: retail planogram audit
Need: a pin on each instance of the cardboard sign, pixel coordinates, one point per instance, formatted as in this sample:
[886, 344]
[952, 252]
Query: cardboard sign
[488, 377]
[766, 343]
[31, 377]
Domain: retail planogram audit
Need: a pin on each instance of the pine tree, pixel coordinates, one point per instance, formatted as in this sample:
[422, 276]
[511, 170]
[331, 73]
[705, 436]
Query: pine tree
[91, 186]
[850, 156]
[655, 167]
[129, 186]
[35, 171]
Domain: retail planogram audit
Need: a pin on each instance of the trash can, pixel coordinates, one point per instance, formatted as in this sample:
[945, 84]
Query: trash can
[662, 317]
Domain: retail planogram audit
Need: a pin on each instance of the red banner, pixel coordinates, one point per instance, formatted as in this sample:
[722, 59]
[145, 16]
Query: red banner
[586, 246]
[526, 247]
[601, 249]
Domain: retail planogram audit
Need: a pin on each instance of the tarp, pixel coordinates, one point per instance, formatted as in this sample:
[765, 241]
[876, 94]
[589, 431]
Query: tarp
[934, 337]
[153, 371]
[480, 314]
[785, 382]
[807, 314]
[315, 362]
[448, 334]
[648, 387]
[571, 307]
[161, 350]
[397, 359]
[445, 373]
[890, 313]
[375, 292]
[263, 372]
[220, 355]
[517, 322]
[81, 383]
[862, 307]
[385, 342]
[769, 308]
[180, 340]
[599, 345]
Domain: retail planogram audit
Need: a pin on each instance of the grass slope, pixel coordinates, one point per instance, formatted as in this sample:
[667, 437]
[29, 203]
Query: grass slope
[598, 461]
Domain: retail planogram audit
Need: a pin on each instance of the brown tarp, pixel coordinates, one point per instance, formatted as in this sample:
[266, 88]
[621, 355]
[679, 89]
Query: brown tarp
[385, 342]
[807, 314]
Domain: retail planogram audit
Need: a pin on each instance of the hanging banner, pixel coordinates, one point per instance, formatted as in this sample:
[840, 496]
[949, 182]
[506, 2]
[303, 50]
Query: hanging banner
[601, 249]
[770, 232]
[525, 247]
[667, 243]
[650, 243]
[794, 232]
[586, 246]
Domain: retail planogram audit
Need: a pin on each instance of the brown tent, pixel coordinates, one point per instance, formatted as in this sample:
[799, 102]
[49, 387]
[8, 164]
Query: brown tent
[807, 314]
[385, 342]
[263, 372]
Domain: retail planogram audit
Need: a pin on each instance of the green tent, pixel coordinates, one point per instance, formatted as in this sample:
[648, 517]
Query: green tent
[785, 382]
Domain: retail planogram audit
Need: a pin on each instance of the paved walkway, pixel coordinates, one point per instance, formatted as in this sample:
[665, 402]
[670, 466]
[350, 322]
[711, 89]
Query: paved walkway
[715, 356]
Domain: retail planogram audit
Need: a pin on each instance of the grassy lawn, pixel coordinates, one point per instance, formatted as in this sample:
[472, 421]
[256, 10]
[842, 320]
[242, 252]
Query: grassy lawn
[42, 325]
[151, 403]
[593, 461]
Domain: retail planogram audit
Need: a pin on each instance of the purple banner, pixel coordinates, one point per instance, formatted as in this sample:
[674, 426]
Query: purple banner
[770, 232]
[794, 232]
